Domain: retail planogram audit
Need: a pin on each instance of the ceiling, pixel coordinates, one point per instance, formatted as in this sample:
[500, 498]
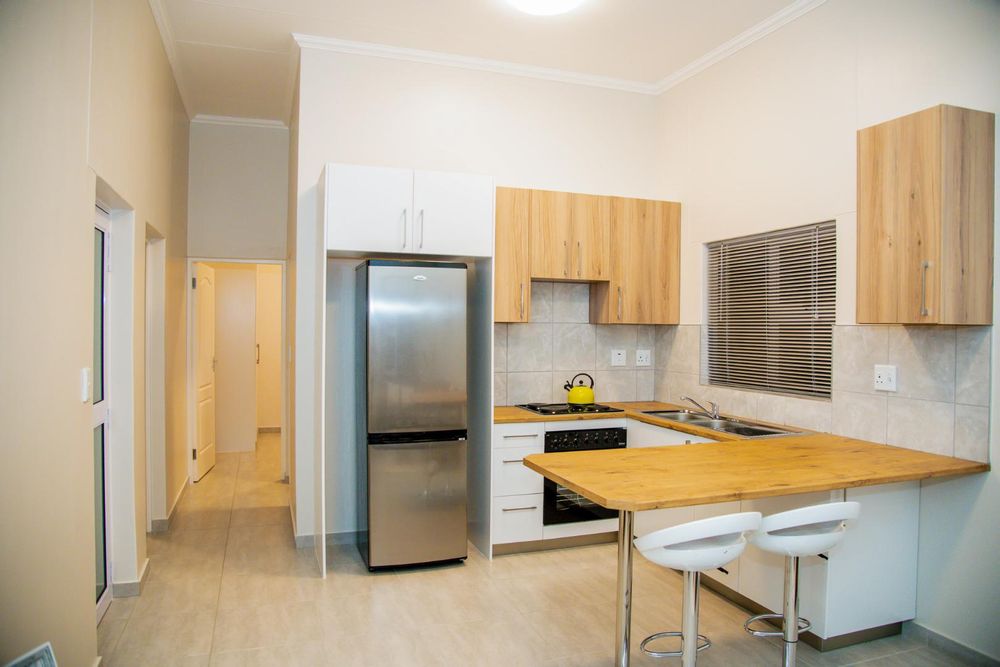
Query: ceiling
[235, 57]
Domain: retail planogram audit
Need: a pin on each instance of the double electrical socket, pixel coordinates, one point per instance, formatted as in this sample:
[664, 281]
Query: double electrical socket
[620, 357]
[885, 377]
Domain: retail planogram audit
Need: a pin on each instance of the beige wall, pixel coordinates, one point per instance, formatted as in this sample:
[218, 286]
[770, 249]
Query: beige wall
[87, 78]
[268, 315]
[238, 191]
[766, 139]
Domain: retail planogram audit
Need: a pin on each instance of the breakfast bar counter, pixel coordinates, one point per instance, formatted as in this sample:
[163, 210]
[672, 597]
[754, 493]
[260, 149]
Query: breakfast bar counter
[630, 480]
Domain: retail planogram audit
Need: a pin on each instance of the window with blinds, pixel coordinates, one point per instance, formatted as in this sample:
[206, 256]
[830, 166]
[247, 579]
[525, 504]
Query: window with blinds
[771, 310]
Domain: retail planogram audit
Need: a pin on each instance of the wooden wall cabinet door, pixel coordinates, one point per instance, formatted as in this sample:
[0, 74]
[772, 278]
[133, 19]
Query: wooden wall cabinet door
[511, 267]
[925, 218]
[645, 265]
[551, 233]
[590, 245]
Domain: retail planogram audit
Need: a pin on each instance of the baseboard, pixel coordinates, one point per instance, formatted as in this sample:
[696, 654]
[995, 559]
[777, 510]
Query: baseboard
[817, 642]
[346, 537]
[959, 651]
[554, 543]
[130, 589]
[163, 525]
[269, 429]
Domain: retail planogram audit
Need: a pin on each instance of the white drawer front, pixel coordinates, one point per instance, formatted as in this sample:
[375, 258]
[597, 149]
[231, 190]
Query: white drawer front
[519, 435]
[517, 518]
[510, 476]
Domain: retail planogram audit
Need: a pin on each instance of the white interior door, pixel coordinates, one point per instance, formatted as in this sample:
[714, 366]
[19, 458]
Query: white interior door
[268, 350]
[204, 343]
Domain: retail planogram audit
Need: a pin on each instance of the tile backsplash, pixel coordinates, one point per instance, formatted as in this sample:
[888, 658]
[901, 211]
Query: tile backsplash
[941, 405]
[533, 361]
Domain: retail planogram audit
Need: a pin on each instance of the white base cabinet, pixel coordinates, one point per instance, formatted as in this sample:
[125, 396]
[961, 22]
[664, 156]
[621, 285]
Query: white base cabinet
[387, 210]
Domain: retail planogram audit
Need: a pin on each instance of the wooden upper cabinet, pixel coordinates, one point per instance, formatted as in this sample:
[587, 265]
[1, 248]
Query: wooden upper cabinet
[511, 267]
[925, 218]
[645, 265]
[570, 236]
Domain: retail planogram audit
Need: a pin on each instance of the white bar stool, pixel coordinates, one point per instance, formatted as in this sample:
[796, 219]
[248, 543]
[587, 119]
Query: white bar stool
[805, 531]
[693, 548]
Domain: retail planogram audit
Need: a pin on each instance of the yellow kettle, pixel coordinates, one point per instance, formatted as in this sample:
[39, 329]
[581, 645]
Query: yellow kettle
[579, 394]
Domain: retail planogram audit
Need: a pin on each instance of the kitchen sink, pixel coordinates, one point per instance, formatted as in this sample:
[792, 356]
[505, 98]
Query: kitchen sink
[677, 415]
[723, 424]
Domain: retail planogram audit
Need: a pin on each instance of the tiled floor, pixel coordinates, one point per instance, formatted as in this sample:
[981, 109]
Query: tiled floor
[227, 587]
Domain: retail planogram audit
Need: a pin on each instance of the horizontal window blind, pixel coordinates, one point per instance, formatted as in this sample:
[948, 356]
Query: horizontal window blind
[771, 310]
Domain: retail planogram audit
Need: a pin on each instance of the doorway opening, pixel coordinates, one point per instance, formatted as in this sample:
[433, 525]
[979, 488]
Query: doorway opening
[237, 367]
[100, 400]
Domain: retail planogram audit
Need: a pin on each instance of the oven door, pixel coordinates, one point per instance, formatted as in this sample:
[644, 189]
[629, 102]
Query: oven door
[562, 505]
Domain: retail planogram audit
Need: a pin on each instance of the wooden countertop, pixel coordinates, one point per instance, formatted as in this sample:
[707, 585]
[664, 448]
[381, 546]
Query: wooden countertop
[732, 469]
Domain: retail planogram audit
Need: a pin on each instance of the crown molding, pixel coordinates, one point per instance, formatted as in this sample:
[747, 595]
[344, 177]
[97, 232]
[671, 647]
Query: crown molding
[240, 122]
[167, 37]
[469, 62]
[723, 51]
[738, 43]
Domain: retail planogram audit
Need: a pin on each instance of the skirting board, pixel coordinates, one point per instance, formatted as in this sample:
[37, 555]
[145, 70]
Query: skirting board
[967, 655]
[818, 643]
[347, 537]
[163, 525]
[130, 589]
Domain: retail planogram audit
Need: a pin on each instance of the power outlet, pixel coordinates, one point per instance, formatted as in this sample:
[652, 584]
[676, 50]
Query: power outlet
[642, 357]
[618, 357]
[885, 377]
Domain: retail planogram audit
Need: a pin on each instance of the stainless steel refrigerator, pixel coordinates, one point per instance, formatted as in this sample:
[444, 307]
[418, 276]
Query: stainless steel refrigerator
[412, 415]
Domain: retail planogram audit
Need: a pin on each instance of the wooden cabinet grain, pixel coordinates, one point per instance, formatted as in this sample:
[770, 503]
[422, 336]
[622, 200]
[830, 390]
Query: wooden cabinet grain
[570, 236]
[925, 218]
[511, 265]
[645, 265]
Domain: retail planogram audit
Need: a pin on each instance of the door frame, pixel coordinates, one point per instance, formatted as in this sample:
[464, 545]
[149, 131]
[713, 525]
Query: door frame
[102, 221]
[192, 427]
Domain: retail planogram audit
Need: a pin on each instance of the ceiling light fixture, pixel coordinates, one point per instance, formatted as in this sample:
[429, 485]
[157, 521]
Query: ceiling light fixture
[545, 7]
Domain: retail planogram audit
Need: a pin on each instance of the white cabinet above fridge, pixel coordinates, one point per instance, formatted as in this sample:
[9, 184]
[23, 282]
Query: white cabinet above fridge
[406, 211]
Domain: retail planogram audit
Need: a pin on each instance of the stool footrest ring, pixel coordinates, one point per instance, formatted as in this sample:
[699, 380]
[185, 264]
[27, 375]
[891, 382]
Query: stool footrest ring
[803, 625]
[671, 654]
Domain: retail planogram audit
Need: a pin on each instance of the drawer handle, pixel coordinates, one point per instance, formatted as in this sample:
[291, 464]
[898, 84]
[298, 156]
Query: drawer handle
[522, 435]
[519, 509]
[513, 460]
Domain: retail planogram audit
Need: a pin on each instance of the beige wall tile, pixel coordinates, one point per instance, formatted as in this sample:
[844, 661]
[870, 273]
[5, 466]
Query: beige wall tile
[972, 432]
[685, 350]
[926, 426]
[570, 302]
[682, 384]
[661, 385]
[573, 347]
[529, 347]
[925, 362]
[861, 416]
[771, 408]
[499, 348]
[972, 365]
[856, 350]
[644, 385]
[529, 388]
[541, 302]
[815, 415]
[616, 337]
[615, 385]
[500, 389]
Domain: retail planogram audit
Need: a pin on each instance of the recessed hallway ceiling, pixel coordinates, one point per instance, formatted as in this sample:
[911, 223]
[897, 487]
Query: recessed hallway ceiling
[234, 57]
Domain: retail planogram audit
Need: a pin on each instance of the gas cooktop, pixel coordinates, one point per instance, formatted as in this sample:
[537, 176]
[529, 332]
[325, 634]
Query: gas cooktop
[568, 408]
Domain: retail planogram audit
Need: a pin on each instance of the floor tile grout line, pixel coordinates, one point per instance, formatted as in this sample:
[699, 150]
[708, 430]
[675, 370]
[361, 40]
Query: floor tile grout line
[225, 554]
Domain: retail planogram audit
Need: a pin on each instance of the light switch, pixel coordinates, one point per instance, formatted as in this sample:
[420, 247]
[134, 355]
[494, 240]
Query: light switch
[617, 357]
[642, 357]
[885, 377]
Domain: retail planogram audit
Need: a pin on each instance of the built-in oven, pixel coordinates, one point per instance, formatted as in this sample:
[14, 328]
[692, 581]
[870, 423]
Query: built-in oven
[563, 505]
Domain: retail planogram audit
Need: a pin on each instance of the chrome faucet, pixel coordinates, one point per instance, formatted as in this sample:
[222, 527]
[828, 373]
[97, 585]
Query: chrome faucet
[713, 413]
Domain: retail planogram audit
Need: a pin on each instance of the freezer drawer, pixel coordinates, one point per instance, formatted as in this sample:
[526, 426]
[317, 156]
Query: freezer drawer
[416, 502]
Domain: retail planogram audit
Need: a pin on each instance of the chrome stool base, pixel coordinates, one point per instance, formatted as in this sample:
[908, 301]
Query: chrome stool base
[671, 654]
[803, 625]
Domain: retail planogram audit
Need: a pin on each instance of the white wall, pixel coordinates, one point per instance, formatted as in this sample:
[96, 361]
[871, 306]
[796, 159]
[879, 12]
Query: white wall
[268, 316]
[766, 139]
[236, 366]
[238, 191]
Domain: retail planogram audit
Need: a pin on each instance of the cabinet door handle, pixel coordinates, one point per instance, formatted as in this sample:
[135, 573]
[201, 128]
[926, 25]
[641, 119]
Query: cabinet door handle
[513, 460]
[258, 353]
[522, 302]
[619, 303]
[404, 227]
[566, 267]
[519, 509]
[923, 288]
[421, 244]
[579, 260]
[521, 435]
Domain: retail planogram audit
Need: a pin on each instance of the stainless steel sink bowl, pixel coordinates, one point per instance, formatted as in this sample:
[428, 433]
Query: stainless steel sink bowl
[677, 415]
